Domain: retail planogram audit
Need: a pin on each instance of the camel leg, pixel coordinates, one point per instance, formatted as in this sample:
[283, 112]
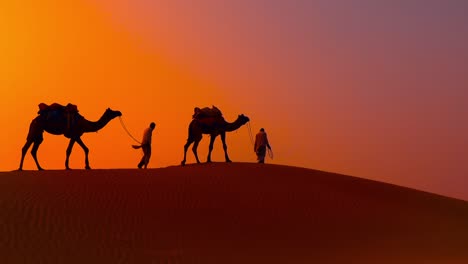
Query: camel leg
[194, 149]
[210, 148]
[223, 139]
[186, 146]
[34, 149]
[69, 150]
[24, 150]
[86, 151]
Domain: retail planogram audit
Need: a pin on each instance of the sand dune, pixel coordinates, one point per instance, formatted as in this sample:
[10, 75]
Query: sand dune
[223, 213]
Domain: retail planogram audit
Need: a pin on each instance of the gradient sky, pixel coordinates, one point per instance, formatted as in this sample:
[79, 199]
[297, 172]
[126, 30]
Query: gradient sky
[370, 88]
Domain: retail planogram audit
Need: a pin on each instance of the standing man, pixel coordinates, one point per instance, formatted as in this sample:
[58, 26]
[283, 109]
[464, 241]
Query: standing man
[261, 143]
[146, 146]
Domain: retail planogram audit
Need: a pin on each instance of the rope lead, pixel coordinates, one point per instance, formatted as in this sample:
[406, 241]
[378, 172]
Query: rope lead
[126, 130]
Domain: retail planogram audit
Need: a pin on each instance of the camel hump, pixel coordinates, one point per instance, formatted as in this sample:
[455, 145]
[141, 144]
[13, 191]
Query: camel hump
[69, 108]
[207, 112]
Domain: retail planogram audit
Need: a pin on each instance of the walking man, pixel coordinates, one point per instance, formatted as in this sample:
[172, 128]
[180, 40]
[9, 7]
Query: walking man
[261, 143]
[146, 146]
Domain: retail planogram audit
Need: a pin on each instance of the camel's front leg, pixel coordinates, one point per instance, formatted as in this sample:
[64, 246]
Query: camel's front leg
[223, 139]
[86, 151]
[69, 150]
[210, 148]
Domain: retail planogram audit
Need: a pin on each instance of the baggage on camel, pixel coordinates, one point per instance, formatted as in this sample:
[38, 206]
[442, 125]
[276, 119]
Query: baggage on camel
[200, 113]
[59, 113]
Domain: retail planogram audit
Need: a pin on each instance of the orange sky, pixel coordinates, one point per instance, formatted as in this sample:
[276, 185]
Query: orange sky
[68, 52]
[375, 92]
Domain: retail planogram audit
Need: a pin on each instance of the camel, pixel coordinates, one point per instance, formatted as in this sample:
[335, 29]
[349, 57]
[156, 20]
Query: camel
[214, 127]
[59, 123]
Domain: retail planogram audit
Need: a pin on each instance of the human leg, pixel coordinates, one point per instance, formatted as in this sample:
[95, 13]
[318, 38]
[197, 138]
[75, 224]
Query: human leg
[147, 155]
[261, 152]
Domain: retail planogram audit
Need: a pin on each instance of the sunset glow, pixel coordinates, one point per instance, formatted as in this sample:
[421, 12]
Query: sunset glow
[375, 89]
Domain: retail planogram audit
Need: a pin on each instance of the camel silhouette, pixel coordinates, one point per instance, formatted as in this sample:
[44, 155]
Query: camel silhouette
[213, 126]
[72, 126]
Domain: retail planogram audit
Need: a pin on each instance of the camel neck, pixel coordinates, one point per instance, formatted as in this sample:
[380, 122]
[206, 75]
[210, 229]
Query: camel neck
[233, 126]
[94, 126]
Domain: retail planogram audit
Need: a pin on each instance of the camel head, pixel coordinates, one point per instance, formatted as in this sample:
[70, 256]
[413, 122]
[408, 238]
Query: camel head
[111, 114]
[243, 119]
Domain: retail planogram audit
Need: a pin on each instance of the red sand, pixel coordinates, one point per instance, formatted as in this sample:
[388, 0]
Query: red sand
[224, 213]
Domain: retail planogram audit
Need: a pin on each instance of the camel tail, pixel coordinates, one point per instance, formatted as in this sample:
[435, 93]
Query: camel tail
[136, 146]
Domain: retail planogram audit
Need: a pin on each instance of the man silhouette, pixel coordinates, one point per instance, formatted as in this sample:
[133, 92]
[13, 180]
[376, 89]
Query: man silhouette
[261, 143]
[146, 146]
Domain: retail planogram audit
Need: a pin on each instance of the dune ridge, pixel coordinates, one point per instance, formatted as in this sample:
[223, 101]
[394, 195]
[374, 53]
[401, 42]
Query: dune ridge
[224, 213]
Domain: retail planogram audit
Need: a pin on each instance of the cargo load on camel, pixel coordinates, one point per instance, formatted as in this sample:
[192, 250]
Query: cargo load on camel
[206, 112]
[59, 113]
[45, 109]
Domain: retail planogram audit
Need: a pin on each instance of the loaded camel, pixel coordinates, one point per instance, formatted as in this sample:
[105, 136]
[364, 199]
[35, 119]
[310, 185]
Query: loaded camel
[213, 124]
[63, 120]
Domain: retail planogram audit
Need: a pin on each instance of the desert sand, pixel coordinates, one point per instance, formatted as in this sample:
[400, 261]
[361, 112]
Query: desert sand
[224, 213]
